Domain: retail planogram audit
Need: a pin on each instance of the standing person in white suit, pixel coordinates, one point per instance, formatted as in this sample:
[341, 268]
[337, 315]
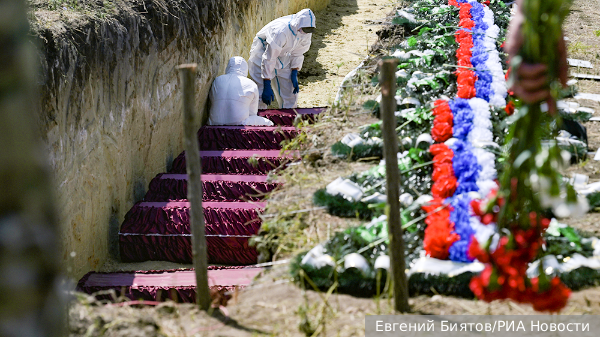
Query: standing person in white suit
[234, 97]
[277, 55]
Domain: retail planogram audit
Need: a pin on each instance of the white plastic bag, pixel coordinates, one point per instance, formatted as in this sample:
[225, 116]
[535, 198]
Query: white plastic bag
[257, 121]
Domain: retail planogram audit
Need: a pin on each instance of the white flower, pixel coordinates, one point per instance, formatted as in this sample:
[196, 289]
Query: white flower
[481, 135]
[498, 101]
[482, 232]
[487, 162]
[483, 123]
[486, 186]
[480, 107]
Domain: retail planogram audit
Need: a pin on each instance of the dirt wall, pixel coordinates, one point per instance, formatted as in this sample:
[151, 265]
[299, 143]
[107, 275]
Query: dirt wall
[110, 108]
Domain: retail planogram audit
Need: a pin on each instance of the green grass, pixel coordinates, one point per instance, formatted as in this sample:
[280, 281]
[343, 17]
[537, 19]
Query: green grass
[578, 47]
[58, 4]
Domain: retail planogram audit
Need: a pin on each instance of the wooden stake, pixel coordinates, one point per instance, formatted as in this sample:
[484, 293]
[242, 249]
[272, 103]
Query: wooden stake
[192, 154]
[387, 80]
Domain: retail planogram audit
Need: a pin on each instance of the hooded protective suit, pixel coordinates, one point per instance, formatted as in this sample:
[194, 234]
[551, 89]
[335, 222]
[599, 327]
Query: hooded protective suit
[234, 97]
[277, 49]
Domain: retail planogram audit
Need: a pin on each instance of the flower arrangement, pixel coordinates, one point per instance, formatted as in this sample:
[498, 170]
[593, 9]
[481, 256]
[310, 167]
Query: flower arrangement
[480, 85]
[484, 211]
[529, 184]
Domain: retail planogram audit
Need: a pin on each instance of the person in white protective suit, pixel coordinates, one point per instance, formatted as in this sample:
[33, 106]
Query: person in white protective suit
[234, 97]
[277, 55]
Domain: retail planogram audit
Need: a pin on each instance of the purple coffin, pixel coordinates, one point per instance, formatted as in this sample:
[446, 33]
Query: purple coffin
[160, 231]
[215, 187]
[244, 137]
[237, 161]
[159, 285]
[287, 116]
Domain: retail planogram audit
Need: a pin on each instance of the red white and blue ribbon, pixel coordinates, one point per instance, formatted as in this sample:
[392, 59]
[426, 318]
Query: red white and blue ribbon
[481, 85]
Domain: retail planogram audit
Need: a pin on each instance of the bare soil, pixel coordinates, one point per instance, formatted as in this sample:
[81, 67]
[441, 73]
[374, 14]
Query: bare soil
[273, 306]
[583, 32]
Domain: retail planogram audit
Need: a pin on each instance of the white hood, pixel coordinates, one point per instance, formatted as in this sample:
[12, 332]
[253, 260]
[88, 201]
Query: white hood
[237, 65]
[304, 18]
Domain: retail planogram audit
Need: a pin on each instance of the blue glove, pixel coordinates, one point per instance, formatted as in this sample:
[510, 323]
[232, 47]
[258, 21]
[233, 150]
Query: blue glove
[295, 81]
[268, 95]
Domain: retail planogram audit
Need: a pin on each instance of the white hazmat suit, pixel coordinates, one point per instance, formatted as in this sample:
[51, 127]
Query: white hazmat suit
[277, 49]
[234, 97]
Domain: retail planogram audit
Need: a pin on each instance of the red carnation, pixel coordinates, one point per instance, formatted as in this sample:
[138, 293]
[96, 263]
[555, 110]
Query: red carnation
[438, 234]
[476, 206]
[444, 188]
[510, 108]
[475, 251]
[436, 149]
[444, 118]
[444, 157]
[466, 23]
[552, 300]
[441, 132]
[441, 107]
[442, 170]
[466, 83]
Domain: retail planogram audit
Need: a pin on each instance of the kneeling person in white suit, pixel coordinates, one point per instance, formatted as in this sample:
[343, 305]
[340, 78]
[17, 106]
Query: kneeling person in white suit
[277, 55]
[234, 97]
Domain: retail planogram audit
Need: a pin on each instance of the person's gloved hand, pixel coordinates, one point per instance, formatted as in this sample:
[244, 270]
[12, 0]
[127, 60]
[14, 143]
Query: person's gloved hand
[268, 95]
[530, 83]
[295, 81]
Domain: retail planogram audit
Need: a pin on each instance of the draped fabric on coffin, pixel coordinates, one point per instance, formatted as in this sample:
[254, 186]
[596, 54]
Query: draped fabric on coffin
[231, 165]
[220, 250]
[151, 290]
[223, 138]
[162, 189]
[287, 116]
[177, 248]
[175, 220]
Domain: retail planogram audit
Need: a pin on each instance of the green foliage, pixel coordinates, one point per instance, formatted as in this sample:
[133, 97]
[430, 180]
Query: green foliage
[280, 234]
[420, 115]
[368, 240]
[358, 283]
[371, 105]
[400, 20]
[351, 281]
[581, 278]
[427, 284]
[337, 205]
[579, 116]
[594, 201]
[342, 150]
[60, 4]
[566, 241]
[578, 150]
[415, 169]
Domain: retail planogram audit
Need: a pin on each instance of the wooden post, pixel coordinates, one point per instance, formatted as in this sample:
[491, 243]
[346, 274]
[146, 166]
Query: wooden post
[192, 159]
[387, 80]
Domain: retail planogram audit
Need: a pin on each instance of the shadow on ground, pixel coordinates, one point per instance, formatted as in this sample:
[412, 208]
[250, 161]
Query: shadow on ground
[328, 20]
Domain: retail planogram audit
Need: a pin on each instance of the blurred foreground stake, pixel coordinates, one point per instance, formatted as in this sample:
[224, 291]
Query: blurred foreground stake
[387, 78]
[29, 251]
